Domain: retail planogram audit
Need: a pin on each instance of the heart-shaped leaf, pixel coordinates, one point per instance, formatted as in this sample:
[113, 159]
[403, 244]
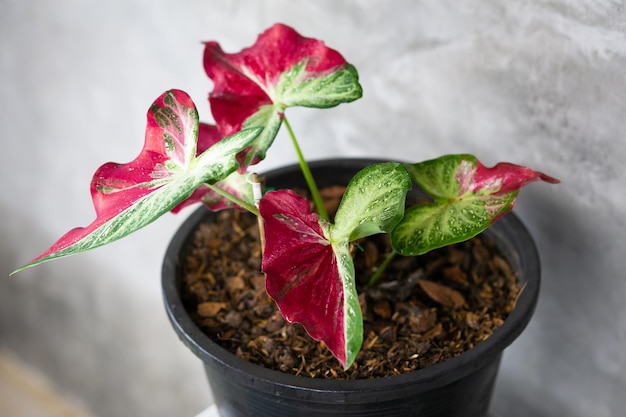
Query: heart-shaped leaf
[468, 197]
[310, 279]
[166, 172]
[373, 202]
[282, 69]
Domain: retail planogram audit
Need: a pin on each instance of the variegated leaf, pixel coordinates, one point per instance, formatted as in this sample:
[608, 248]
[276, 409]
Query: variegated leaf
[130, 196]
[467, 198]
[310, 279]
[282, 69]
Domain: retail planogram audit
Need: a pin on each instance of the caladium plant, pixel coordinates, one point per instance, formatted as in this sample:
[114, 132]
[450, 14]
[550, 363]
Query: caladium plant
[306, 258]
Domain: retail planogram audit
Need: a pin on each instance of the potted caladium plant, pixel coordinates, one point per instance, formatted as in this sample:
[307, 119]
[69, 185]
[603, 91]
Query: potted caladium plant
[307, 254]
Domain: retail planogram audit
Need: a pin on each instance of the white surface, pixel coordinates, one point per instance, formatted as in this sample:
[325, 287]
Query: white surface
[209, 412]
[539, 83]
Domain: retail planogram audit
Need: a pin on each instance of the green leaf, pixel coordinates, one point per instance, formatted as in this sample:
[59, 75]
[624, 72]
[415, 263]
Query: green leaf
[269, 117]
[372, 203]
[430, 226]
[298, 88]
[352, 315]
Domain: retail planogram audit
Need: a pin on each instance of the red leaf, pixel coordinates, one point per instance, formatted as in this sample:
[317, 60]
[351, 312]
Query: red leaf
[301, 269]
[247, 80]
[208, 135]
[130, 196]
[505, 177]
[115, 187]
[501, 179]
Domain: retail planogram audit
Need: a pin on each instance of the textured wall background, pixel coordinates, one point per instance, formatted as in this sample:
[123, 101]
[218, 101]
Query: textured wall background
[540, 83]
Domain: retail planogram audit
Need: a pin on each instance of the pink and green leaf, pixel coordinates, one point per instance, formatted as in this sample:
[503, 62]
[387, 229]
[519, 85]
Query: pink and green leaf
[129, 196]
[310, 279]
[235, 184]
[467, 198]
[282, 69]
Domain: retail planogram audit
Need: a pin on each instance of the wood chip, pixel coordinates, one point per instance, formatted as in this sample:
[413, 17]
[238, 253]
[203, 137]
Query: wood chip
[455, 274]
[472, 320]
[370, 254]
[235, 283]
[382, 309]
[210, 308]
[331, 196]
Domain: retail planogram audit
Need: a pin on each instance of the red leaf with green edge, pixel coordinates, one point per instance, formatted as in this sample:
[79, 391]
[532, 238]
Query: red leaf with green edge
[310, 279]
[282, 69]
[166, 172]
[468, 198]
[236, 183]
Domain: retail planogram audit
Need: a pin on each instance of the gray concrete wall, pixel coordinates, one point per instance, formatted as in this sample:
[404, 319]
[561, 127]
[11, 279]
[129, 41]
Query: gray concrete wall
[535, 82]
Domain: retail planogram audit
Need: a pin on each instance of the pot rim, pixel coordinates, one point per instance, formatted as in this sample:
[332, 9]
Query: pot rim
[521, 252]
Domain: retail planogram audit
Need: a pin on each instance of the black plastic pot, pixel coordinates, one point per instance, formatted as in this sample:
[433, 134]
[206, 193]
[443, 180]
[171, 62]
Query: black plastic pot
[461, 386]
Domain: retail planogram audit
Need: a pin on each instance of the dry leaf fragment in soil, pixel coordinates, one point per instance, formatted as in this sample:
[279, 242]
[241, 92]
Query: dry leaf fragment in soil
[211, 308]
[445, 296]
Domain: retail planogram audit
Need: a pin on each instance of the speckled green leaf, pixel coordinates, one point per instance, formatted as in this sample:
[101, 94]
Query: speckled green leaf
[430, 226]
[467, 198]
[373, 202]
[298, 88]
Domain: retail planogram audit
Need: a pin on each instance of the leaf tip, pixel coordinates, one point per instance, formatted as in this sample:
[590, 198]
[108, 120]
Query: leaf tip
[549, 179]
[31, 264]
